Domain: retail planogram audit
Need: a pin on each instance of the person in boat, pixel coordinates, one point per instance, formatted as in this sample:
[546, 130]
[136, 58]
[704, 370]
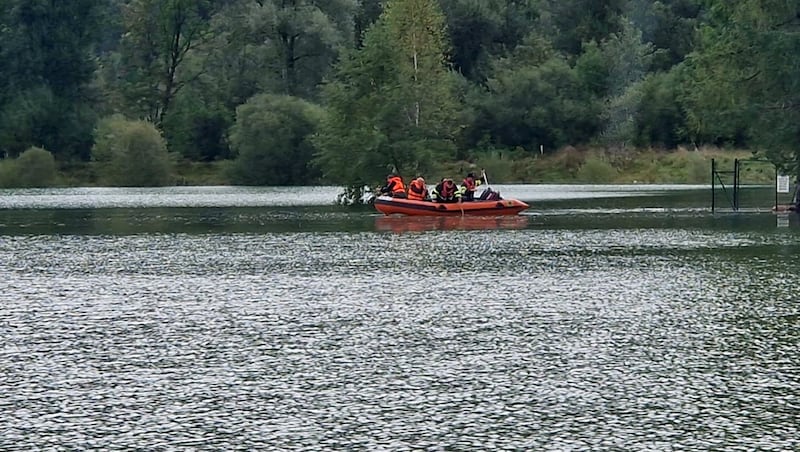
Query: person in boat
[490, 195]
[446, 191]
[394, 186]
[796, 198]
[417, 190]
[469, 185]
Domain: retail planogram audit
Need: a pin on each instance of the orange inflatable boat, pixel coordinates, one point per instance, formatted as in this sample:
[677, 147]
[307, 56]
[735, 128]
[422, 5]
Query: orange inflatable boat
[390, 206]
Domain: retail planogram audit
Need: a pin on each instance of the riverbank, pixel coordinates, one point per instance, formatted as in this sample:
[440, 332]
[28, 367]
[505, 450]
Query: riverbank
[566, 166]
[596, 166]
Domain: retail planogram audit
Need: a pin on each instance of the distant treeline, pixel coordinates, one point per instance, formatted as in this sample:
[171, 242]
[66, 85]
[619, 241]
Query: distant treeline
[340, 91]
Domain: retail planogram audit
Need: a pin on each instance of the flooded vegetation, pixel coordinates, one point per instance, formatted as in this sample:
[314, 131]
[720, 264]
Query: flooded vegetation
[605, 319]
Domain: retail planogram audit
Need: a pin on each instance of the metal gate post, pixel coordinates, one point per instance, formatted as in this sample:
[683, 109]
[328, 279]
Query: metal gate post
[736, 185]
[713, 188]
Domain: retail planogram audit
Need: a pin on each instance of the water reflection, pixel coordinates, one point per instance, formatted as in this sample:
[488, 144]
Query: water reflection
[399, 224]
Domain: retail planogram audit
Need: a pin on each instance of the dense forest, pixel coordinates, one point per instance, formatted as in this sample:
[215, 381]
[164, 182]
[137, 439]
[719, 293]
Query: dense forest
[337, 91]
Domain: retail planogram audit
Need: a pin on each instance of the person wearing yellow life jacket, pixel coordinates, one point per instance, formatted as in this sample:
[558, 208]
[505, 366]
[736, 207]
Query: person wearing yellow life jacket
[468, 187]
[446, 191]
[417, 190]
[394, 186]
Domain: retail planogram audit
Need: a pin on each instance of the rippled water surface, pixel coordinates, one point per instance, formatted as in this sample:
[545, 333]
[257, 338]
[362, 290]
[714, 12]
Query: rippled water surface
[605, 318]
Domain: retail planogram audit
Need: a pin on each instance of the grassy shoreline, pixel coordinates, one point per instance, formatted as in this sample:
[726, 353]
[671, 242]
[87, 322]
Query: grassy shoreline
[604, 166]
[566, 166]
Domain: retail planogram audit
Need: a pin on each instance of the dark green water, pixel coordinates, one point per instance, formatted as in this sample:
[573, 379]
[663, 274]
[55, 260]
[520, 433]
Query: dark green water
[605, 318]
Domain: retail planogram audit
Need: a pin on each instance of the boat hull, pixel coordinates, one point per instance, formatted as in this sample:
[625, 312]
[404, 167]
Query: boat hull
[398, 206]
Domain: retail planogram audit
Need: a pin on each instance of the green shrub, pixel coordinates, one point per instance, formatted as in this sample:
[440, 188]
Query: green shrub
[272, 141]
[202, 173]
[499, 167]
[131, 154]
[698, 169]
[597, 171]
[8, 173]
[36, 168]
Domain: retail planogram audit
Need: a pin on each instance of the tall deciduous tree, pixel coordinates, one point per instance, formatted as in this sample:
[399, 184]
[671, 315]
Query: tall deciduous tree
[392, 102]
[45, 68]
[534, 99]
[301, 38]
[669, 25]
[575, 22]
[159, 36]
[745, 78]
[627, 58]
[482, 29]
[367, 12]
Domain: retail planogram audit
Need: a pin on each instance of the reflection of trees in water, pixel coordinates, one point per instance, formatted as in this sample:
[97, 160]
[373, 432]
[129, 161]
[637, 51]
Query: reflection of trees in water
[185, 220]
[45, 221]
[176, 220]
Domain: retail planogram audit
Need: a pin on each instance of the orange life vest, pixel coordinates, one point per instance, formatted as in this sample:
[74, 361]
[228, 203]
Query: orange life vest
[417, 190]
[398, 185]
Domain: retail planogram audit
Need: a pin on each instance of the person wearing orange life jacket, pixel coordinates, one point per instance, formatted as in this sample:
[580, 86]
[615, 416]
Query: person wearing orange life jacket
[469, 185]
[394, 186]
[417, 190]
[446, 191]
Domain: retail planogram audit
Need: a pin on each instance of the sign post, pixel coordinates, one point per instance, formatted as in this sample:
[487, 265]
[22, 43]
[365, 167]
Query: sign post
[782, 184]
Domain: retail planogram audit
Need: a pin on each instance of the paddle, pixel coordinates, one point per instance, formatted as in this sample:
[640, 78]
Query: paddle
[486, 181]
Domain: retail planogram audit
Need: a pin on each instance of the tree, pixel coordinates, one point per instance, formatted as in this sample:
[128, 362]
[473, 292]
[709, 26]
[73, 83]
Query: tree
[366, 14]
[627, 58]
[272, 139]
[534, 99]
[572, 23]
[37, 116]
[392, 102]
[669, 25]
[45, 69]
[741, 82]
[197, 125]
[131, 153]
[160, 34]
[481, 30]
[295, 40]
[660, 119]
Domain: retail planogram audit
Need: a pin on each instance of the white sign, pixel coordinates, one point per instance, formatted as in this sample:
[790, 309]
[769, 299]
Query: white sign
[783, 184]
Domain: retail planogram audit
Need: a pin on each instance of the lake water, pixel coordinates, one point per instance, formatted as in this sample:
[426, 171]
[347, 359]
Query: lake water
[604, 318]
